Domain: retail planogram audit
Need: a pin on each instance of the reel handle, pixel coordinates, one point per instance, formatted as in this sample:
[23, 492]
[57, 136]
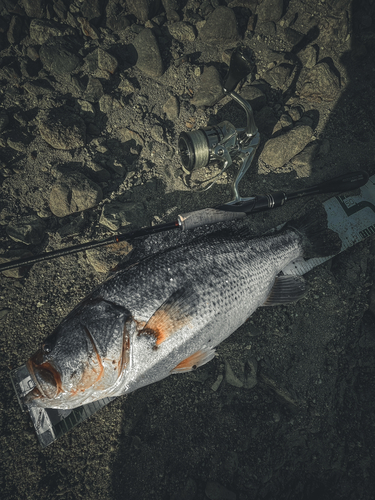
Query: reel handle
[239, 68]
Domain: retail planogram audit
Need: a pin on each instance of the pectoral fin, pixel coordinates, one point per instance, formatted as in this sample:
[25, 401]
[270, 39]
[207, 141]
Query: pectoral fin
[172, 315]
[286, 289]
[197, 359]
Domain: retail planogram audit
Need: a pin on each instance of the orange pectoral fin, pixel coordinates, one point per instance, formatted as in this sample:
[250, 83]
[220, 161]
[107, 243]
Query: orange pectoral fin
[172, 315]
[197, 359]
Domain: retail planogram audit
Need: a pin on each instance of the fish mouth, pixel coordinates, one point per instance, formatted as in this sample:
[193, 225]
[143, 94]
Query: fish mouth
[46, 378]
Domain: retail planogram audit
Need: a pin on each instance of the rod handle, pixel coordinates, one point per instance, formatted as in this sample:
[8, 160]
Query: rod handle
[346, 182]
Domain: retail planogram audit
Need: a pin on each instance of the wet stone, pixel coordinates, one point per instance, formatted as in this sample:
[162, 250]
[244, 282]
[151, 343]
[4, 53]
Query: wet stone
[74, 193]
[106, 61]
[270, 10]
[60, 56]
[279, 150]
[42, 30]
[106, 258]
[320, 84]
[183, 32]
[210, 90]
[62, 129]
[220, 27]
[143, 9]
[149, 60]
[116, 214]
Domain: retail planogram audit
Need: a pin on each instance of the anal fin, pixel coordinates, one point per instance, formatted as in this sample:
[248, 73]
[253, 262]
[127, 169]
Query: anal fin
[194, 361]
[287, 289]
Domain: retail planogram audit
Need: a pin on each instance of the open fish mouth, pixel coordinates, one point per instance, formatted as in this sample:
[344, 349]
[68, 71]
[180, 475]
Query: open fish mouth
[46, 378]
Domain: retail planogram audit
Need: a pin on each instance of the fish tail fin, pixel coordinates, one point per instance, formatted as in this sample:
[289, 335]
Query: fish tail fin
[318, 240]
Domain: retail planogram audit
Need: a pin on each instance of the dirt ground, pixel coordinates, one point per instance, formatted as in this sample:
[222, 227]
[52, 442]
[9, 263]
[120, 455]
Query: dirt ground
[304, 428]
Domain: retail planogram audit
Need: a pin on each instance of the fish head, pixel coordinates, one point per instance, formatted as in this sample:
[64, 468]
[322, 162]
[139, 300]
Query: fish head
[83, 359]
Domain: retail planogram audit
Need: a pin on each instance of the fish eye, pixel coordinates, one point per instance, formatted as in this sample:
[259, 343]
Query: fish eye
[46, 348]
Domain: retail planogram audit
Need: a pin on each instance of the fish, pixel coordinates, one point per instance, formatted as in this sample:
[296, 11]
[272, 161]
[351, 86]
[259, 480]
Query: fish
[166, 313]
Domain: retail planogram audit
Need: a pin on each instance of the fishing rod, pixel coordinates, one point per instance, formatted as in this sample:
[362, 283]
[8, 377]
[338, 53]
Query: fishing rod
[235, 209]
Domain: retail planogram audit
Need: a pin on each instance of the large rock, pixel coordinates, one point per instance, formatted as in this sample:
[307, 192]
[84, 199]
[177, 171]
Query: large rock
[210, 90]
[34, 8]
[320, 84]
[74, 193]
[59, 56]
[148, 54]
[279, 150]
[62, 129]
[220, 28]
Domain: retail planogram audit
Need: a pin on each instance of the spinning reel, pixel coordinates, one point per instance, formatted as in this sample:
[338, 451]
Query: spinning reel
[224, 142]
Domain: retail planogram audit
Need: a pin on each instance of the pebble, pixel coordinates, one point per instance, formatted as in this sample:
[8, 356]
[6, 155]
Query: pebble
[183, 32]
[143, 9]
[106, 258]
[270, 10]
[279, 150]
[116, 21]
[29, 230]
[302, 162]
[149, 60]
[279, 76]
[308, 56]
[94, 90]
[74, 193]
[62, 129]
[230, 377]
[220, 28]
[285, 123]
[34, 8]
[320, 84]
[42, 30]
[116, 214]
[172, 108]
[210, 90]
[106, 61]
[59, 56]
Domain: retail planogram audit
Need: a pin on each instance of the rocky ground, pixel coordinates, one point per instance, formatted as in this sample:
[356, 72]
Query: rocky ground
[93, 97]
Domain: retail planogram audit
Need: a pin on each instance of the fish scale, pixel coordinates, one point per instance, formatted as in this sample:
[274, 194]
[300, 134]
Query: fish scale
[166, 314]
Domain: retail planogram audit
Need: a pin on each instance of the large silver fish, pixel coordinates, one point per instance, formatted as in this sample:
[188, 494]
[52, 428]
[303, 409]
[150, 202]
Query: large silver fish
[166, 313]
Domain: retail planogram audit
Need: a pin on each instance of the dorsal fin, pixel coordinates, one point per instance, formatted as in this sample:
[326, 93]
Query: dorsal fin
[197, 359]
[286, 289]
